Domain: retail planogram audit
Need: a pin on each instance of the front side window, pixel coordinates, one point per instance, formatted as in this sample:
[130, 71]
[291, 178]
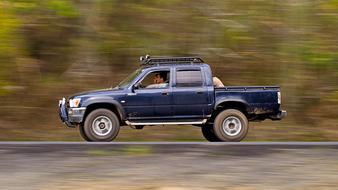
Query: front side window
[189, 78]
[155, 79]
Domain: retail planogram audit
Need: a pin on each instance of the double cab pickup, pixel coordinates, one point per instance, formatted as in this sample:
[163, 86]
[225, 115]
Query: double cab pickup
[172, 91]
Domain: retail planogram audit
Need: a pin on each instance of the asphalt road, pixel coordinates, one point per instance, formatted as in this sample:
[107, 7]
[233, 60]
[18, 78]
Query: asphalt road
[168, 165]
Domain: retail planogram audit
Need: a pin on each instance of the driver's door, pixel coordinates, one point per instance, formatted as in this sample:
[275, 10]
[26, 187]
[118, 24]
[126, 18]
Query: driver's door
[150, 103]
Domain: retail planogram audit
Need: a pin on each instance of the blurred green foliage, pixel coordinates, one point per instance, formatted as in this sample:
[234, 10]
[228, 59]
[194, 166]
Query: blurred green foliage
[52, 48]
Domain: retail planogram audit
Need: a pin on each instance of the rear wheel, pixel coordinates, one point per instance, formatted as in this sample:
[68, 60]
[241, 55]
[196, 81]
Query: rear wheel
[231, 125]
[208, 133]
[101, 125]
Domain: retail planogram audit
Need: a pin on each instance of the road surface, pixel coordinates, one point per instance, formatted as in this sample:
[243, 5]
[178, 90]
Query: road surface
[168, 166]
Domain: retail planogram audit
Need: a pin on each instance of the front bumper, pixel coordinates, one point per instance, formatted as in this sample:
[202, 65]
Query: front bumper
[70, 116]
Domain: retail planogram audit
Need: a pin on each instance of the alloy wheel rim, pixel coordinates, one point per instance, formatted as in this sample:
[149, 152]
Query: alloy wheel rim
[232, 126]
[102, 125]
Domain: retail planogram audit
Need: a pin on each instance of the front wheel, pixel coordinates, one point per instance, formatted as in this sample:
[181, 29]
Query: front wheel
[231, 125]
[101, 125]
[83, 134]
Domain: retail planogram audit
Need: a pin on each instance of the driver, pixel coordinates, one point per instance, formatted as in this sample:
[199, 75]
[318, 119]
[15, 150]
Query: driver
[158, 81]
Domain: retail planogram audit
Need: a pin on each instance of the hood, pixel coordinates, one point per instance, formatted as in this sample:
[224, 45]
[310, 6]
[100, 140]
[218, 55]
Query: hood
[94, 93]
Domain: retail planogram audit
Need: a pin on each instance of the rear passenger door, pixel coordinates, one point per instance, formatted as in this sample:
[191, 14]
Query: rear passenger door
[190, 94]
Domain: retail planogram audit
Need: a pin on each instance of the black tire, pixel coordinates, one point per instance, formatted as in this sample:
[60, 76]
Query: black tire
[208, 133]
[231, 125]
[101, 118]
[82, 133]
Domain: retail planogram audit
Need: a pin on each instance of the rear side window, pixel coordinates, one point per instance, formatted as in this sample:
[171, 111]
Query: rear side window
[189, 78]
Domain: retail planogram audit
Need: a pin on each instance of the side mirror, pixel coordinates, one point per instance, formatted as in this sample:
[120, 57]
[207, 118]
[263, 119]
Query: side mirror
[135, 86]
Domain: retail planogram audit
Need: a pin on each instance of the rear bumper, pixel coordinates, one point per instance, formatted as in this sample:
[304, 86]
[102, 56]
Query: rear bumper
[283, 114]
[280, 115]
[70, 116]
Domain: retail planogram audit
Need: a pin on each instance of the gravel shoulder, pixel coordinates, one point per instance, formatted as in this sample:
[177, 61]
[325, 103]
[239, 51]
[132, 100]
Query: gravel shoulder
[168, 166]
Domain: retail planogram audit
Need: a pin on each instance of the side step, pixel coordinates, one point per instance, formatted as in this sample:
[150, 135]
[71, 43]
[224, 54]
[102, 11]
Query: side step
[168, 123]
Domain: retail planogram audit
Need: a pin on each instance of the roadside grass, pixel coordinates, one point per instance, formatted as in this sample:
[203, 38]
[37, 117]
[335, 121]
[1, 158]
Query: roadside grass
[124, 151]
[97, 152]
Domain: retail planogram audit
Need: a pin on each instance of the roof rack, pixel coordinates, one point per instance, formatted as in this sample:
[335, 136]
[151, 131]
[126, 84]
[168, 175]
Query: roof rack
[147, 60]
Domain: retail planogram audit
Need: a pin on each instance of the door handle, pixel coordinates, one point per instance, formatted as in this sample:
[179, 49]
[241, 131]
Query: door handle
[199, 92]
[165, 93]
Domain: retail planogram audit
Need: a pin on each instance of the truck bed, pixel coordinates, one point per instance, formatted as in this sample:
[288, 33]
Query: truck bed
[258, 100]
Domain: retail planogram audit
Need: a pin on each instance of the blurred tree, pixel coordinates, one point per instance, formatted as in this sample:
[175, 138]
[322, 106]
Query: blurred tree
[52, 48]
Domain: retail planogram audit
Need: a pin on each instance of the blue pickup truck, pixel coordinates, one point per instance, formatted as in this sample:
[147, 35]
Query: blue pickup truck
[171, 91]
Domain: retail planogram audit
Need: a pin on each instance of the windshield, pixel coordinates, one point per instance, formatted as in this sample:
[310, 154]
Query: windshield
[130, 78]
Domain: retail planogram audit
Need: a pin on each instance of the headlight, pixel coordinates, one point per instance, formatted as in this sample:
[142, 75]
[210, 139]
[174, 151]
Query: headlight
[279, 97]
[74, 103]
